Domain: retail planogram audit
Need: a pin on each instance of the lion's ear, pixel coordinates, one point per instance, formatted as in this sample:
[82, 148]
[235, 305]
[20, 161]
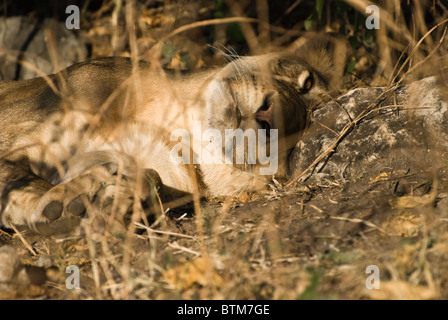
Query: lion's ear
[327, 54]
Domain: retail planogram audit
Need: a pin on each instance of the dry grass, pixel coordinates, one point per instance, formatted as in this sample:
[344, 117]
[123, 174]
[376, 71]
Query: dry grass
[287, 243]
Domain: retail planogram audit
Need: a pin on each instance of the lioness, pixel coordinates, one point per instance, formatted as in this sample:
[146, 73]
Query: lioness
[100, 135]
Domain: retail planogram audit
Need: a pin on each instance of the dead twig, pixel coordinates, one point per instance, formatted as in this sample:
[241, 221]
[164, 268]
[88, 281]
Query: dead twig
[25, 243]
[5, 233]
[357, 220]
[140, 225]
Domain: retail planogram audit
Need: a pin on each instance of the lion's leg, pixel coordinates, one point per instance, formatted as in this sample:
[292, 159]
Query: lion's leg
[27, 200]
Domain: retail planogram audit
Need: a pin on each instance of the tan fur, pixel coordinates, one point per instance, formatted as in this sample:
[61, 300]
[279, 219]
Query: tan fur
[101, 129]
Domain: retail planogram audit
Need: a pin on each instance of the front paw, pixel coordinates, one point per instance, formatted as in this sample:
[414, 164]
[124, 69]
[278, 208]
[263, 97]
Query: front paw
[58, 211]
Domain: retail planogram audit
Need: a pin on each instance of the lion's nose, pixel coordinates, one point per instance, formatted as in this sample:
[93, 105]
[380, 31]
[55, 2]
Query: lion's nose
[265, 116]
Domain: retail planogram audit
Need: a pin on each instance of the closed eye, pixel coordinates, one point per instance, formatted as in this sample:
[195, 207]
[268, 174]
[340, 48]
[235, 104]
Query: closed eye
[233, 113]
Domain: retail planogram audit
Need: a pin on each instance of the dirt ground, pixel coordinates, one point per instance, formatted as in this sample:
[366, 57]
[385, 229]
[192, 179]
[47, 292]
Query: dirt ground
[313, 240]
[306, 242]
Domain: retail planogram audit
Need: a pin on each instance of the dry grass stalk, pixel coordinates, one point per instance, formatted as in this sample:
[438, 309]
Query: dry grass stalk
[23, 240]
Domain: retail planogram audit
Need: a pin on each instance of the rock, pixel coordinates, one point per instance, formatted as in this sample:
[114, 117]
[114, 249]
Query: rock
[23, 38]
[442, 205]
[410, 138]
[12, 274]
[45, 262]
[15, 277]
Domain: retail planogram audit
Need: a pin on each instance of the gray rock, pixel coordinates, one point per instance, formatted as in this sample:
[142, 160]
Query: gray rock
[410, 138]
[16, 277]
[12, 273]
[22, 38]
[442, 205]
